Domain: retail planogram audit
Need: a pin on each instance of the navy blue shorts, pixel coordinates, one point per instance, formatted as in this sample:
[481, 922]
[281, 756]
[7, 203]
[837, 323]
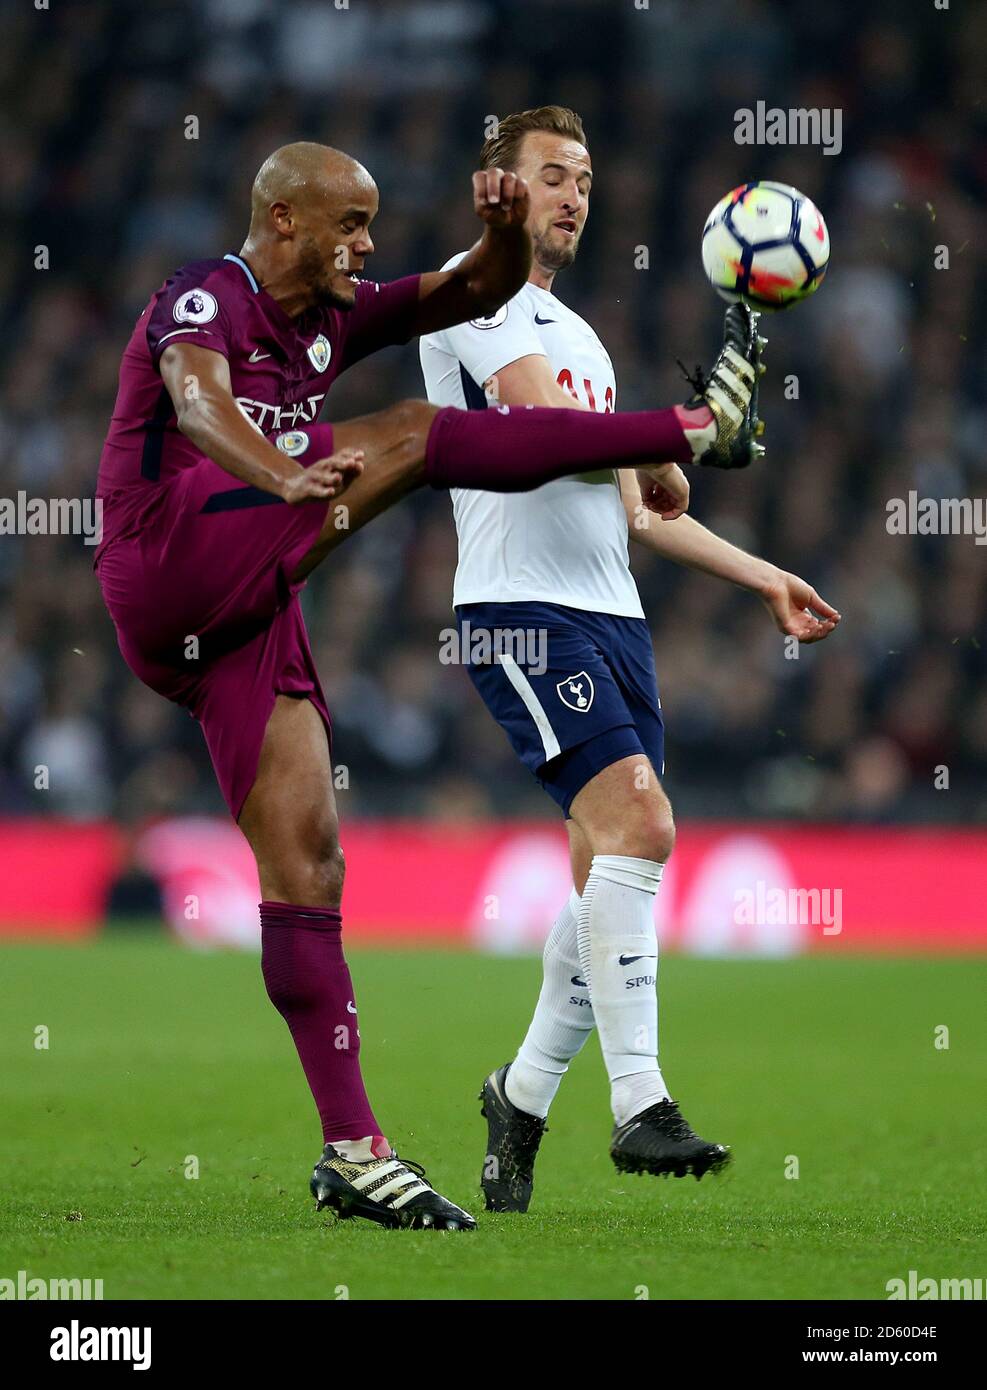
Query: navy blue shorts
[573, 691]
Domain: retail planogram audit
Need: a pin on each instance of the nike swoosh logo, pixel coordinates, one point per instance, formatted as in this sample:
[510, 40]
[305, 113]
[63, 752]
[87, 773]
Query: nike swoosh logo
[581, 983]
[629, 960]
[256, 356]
[543, 321]
[349, 1007]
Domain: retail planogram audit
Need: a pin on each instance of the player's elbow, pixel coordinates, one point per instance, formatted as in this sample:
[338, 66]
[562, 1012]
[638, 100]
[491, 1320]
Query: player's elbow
[189, 423]
[192, 418]
[409, 422]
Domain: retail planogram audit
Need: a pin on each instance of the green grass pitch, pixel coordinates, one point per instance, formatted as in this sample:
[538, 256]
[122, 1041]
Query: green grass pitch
[158, 1053]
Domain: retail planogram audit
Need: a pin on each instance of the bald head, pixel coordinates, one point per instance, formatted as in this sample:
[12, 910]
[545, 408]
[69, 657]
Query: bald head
[304, 175]
[310, 212]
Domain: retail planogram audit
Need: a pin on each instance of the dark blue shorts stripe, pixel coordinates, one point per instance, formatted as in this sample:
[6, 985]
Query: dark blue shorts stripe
[154, 433]
[238, 499]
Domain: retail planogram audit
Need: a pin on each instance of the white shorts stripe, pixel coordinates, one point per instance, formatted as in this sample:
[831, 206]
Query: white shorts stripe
[522, 685]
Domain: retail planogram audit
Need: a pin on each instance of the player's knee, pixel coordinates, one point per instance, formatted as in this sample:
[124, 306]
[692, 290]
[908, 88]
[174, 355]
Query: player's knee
[313, 875]
[328, 869]
[646, 829]
[661, 831]
[413, 420]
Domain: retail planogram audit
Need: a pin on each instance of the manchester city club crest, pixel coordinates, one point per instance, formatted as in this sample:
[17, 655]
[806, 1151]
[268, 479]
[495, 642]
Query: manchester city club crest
[577, 692]
[320, 352]
[195, 306]
[295, 442]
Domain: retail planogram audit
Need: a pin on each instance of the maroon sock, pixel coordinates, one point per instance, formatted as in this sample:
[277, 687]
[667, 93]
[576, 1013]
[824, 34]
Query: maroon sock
[514, 449]
[309, 983]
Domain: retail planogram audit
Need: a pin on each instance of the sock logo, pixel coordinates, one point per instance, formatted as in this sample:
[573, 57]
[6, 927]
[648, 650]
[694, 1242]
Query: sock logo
[581, 983]
[576, 692]
[349, 1007]
[629, 960]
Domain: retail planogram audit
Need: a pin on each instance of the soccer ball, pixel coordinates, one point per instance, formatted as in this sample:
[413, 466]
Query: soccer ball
[765, 243]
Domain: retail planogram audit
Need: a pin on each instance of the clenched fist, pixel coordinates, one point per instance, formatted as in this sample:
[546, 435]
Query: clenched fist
[500, 199]
[665, 490]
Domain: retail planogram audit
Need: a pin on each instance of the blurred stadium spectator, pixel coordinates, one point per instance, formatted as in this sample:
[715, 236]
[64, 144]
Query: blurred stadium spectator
[889, 364]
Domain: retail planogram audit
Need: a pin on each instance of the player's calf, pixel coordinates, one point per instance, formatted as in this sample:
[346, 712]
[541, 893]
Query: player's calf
[626, 820]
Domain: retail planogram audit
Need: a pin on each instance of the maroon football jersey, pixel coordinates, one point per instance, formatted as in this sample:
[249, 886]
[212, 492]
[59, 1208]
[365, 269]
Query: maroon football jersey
[281, 369]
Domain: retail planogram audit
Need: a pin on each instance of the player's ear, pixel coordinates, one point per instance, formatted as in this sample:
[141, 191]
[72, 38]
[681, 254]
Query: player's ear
[283, 219]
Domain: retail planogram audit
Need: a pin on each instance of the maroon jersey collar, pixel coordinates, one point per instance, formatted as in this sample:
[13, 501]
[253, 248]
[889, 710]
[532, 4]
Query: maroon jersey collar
[301, 324]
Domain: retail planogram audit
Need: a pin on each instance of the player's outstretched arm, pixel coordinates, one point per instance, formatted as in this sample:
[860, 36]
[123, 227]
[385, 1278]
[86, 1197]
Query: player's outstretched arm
[490, 273]
[198, 381]
[796, 608]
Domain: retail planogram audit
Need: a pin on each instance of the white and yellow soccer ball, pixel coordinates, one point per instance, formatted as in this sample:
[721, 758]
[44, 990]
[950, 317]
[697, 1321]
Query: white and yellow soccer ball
[765, 243]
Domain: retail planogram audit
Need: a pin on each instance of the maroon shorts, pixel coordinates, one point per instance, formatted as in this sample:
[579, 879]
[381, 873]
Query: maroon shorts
[207, 614]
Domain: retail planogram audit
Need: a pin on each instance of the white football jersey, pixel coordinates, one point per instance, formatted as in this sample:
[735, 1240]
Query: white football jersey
[566, 542]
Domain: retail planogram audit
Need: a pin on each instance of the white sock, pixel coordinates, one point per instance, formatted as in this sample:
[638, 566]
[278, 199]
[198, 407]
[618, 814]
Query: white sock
[362, 1150]
[618, 952]
[563, 1020]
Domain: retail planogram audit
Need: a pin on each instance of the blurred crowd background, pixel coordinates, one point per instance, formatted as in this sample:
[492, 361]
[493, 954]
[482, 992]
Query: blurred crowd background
[889, 358]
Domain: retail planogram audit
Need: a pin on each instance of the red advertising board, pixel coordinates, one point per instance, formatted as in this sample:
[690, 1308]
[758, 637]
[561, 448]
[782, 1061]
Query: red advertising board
[728, 889]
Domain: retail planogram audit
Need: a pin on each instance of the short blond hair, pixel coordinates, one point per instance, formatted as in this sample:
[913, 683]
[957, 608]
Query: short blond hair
[501, 151]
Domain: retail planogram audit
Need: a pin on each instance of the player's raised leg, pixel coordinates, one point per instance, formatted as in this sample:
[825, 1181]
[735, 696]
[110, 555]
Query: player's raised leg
[290, 821]
[499, 450]
[514, 450]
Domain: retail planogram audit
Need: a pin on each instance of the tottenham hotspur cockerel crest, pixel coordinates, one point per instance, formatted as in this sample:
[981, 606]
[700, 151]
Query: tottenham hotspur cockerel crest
[577, 692]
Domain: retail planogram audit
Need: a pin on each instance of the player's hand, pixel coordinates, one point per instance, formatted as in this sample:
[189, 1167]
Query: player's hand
[500, 199]
[323, 479]
[797, 609]
[664, 490]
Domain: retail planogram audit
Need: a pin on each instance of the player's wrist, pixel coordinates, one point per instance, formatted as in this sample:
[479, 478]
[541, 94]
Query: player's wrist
[765, 579]
[284, 482]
